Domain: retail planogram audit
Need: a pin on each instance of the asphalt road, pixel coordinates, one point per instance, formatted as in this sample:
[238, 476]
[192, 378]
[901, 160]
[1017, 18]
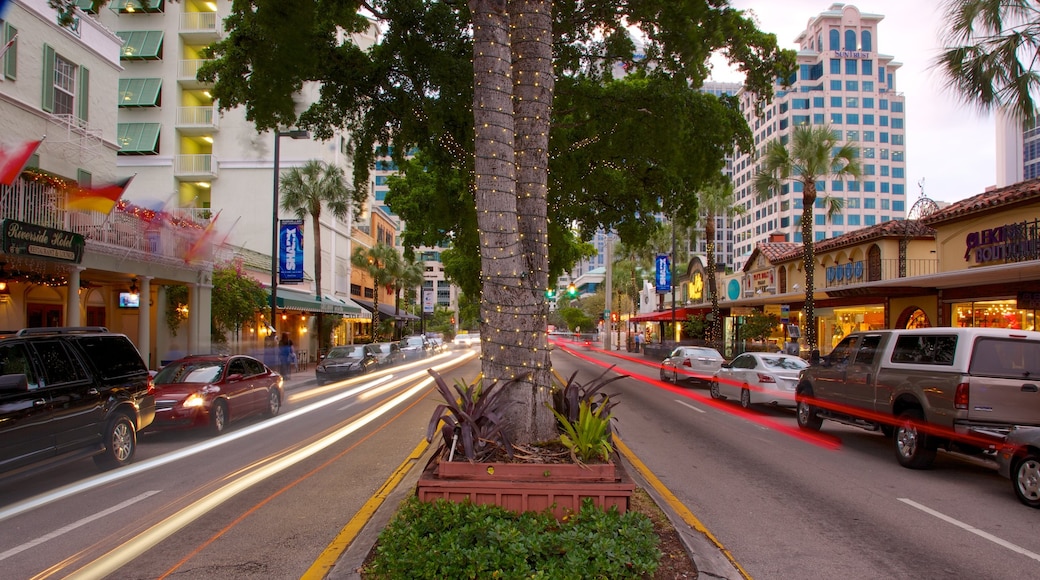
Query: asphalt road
[265, 499]
[835, 505]
[260, 501]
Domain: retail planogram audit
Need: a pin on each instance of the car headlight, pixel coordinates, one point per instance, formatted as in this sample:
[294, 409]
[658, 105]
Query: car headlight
[194, 400]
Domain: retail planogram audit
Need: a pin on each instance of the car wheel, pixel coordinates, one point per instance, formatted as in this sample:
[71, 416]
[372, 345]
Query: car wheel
[120, 443]
[914, 448]
[664, 374]
[1025, 478]
[808, 418]
[745, 397]
[713, 389]
[218, 417]
[274, 403]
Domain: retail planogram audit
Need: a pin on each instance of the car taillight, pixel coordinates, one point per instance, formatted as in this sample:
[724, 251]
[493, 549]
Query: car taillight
[960, 397]
[686, 363]
[764, 378]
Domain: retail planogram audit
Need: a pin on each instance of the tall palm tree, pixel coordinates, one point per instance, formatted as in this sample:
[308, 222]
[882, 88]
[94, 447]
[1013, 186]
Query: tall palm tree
[990, 51]
[305, 192]
[409, 275]
[814, 155]
[378, 262]
[715, 200]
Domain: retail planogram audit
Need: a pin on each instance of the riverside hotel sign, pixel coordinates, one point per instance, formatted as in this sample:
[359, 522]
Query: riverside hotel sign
[1015, 242]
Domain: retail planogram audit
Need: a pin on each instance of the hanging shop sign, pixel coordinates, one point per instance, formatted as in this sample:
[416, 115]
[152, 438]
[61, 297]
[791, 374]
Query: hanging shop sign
[290, 252]
[25, 239]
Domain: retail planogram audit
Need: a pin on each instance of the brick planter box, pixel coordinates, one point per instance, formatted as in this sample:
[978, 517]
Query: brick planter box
[524, 487]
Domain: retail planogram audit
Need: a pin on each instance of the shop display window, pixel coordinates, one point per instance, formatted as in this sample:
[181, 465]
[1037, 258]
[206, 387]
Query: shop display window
[993, 314]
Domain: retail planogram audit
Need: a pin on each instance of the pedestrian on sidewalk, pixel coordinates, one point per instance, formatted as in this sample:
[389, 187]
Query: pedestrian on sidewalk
[286, 354]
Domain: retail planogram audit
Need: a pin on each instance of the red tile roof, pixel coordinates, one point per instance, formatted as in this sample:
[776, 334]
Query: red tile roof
[778, 252]
[1023, 192]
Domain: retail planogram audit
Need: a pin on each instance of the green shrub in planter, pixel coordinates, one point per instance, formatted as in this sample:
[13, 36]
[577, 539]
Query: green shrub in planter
[461, 540]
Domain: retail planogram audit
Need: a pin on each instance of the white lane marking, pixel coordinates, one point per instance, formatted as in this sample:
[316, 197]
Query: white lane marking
[684, 403]
[972, 529]
[141, 543]
[66, 529]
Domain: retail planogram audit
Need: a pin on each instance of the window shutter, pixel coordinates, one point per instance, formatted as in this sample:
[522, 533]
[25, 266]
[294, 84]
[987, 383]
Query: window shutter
[11, 58]
[83, 98]
[47, 104]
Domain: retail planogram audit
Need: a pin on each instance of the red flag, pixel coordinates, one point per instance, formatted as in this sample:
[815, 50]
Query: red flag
[13, 160]
[100, 199]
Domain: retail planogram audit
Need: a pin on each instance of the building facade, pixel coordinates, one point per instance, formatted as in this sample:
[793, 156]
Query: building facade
[844, 82]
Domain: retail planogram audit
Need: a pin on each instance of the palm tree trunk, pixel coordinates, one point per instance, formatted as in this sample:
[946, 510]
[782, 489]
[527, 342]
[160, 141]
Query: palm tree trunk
[715, 327]
[809, 265]
[315, 216]
[533, 84]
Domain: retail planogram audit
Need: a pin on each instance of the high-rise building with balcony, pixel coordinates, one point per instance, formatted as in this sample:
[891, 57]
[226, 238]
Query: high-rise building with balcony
[844, 82]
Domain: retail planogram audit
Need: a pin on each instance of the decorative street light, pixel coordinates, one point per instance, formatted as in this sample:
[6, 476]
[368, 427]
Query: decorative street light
[294, 134]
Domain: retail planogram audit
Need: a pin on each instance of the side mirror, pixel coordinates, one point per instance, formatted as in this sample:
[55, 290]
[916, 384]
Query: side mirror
[726, 365]
[814, 358]
[14, 383]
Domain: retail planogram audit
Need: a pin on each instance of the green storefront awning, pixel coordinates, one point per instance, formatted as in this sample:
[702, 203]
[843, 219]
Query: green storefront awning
[138, 138]
[139, 92]
[86, 6]
[141, 44]
[291, 300]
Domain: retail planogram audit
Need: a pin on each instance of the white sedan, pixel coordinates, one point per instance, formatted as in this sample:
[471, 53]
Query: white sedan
[696, 363]
[759, 378]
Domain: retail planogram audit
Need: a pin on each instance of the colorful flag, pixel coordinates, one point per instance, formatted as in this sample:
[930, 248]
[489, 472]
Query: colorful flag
[205, 243]
[13, 160]
[100, 199]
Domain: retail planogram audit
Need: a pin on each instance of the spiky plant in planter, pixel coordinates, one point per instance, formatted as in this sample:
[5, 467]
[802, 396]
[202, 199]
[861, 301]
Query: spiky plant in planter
[472, 415]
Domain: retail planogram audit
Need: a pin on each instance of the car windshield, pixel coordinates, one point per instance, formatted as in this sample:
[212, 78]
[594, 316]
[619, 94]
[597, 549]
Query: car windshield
[343, 353]
[784, 362]
[206, 371]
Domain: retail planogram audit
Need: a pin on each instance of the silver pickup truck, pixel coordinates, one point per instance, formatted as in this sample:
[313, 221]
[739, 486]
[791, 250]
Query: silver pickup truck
[960, 389]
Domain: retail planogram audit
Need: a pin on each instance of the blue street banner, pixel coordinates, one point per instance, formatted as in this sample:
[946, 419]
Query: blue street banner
[290, 252]
[663, 273]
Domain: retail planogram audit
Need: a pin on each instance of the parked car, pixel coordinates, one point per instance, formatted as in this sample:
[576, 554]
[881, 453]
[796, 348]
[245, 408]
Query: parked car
[1019, 461]
[758, 378]
[389, 353]
[415, 347]
[698, 364]
[961, 389]
[347, 361]
[215, 390]
[69, 393]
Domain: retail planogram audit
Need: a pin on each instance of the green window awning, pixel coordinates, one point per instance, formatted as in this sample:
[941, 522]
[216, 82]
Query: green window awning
[131, 6]
[138, 138]
[86, 6]
[141, 44]
[139, 92]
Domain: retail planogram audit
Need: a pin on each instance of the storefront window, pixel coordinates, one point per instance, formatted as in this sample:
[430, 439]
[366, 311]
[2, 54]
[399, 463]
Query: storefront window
[993, 314]
[837, 323]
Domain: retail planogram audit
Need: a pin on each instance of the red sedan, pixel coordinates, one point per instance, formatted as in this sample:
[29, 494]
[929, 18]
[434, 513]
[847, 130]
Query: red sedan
[212, 391]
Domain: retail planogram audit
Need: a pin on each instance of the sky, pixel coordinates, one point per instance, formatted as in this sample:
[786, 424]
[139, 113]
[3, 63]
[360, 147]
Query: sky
[950, 146]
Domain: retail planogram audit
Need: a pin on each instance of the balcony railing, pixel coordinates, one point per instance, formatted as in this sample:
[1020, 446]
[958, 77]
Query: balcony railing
[188, 72]
[836, 276]
[195, 166]
[175, 235]
[199, 23]
[197, 118]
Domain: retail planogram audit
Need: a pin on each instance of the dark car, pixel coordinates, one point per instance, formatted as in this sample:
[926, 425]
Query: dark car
[415, 347]
[67, 393]
[346, 361]
[214, 390]
[389, 353]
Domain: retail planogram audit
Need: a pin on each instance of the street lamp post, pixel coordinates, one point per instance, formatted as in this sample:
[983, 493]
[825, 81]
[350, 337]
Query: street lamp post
[294, 134]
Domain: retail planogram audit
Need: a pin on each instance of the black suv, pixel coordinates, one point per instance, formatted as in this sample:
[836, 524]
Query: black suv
[67, 393]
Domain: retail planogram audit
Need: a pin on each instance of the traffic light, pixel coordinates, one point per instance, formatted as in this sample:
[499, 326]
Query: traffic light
[572, 291]
[550, 294]
[613, 316]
